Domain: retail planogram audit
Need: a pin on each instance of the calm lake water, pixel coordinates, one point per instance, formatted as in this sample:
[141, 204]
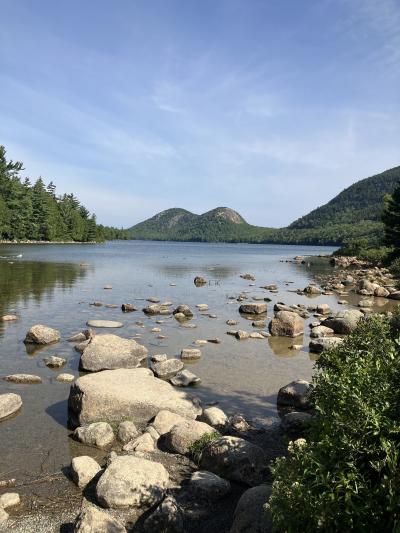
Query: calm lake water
[54, 285]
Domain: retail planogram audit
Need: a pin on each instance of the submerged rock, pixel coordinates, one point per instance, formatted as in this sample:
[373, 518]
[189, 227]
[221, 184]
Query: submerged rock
[43, 335]
[108, 352]
[8, 318]
[65, 378]
[190, 354]
[184, 309]
[104, 324]
[54, 362]
[198, 280]
[133, 394]
[23, 378]
[131, 481]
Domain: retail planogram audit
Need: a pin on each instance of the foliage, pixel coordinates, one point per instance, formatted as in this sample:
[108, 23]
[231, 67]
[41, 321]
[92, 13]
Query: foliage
[196, 449]
[391, 220]
[35, 212]
[362, 249]
[347, 476]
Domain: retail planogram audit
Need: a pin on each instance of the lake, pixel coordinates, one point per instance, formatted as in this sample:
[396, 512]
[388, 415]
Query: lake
[55, 284]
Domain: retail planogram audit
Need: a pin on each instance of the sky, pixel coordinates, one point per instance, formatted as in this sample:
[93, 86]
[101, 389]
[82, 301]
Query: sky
[270, 107]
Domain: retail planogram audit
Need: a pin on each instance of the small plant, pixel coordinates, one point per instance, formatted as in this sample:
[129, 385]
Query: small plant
[196, 449]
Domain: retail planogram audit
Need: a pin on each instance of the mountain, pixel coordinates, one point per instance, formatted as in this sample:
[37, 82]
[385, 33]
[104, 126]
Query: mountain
[353, 213]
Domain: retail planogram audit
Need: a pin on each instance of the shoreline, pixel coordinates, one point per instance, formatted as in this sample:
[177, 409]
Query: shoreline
[50, 242]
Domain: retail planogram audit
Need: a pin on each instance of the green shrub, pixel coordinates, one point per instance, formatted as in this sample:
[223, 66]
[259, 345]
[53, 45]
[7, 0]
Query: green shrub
[196, 449]
[346, 477]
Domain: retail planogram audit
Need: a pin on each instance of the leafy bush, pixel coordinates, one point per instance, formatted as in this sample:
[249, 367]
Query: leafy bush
[196, 449]
[346, 477]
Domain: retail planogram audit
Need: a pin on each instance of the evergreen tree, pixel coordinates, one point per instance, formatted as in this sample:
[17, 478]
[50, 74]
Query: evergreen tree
[391, 220]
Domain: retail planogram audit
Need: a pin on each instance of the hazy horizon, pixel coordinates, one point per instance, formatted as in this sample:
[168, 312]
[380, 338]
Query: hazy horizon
[269, 108]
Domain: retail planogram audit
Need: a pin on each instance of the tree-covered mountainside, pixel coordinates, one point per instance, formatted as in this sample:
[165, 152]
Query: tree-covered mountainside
[354, 213]
[33, 211]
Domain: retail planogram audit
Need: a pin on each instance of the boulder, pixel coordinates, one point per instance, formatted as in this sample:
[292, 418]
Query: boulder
[183, 309]
[167, 518]
[286, 324]
[185, 378]
[215, 417]
[235, 459]
[321, 331]
[295, 394]
[8, 318]
[323, 309]
[65, 378]
[198, 280]
[99, 434]
[83, 470]
[241, 335]
[259, 324]
[367, 287]
[312, 290]
[381, 292]
[143, 443]
[190, 354]
[133, 394]
[3, 516]
[165, 421]
[253, 308]
[107, 352]
[10, 403]
[183, 435]
[42, 335]
[250, 513]
[54, 361]
[167, 369]
[202, 307]
[104, 324]
[394, 295]
[131, 481]
[209, 486]
[23, 378]
[127, 431]
[295, 423]
[344, 322]
[128, 308]
[324, 343]
[9, 499]
[91, 519]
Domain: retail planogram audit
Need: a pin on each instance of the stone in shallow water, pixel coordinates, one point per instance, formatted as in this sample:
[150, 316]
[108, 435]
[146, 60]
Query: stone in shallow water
[190, 353]
[107, 352]
[167, 369]
[65, 378]
[253, 308]
[104, 324]
[133, 394]
[54, 362]
[8, 318]
[9, 404]
[40, 334]
[23, 378]
[185, 378]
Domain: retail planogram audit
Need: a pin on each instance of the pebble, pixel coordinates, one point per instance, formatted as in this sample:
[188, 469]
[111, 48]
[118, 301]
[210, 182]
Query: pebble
[65, 378]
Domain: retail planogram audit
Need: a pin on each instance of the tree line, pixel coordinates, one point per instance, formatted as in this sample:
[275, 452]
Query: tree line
[33, 211]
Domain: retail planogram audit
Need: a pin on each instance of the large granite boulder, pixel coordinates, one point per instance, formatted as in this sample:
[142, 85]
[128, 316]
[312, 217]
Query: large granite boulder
[107, 352]
[131, 481]
[42, 335]
[10, 403]
[286, 324]
[344, 322]
[250, 513]
[235, 459]
[125, 394]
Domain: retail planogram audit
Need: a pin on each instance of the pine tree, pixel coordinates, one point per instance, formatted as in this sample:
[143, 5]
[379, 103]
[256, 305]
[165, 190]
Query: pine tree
[391, 220]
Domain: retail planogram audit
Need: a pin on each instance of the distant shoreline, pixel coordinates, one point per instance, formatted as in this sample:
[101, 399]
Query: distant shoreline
[49, 242]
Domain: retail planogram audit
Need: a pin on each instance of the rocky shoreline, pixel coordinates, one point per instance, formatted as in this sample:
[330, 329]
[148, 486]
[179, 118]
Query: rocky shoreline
[167, 463]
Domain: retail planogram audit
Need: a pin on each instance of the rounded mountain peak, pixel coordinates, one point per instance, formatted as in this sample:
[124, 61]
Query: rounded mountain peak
[225, 213]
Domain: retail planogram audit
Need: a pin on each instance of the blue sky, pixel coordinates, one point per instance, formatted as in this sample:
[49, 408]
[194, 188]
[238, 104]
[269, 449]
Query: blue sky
[270, 107]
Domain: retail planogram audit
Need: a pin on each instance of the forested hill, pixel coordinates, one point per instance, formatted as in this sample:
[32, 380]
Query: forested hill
[33, 211]
[361, 201]
[353, 213]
